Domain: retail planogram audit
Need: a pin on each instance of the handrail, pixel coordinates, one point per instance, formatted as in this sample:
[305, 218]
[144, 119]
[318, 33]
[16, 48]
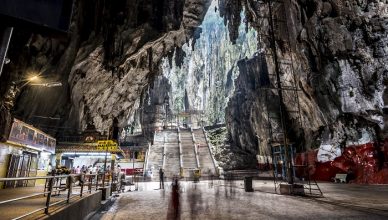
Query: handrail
[211, 151]
[88, 180]
[20, 198]
[43, 177]
[195, 149]
[146, 159]
[29, 213]
[180, 151]
[31, 178]
[164, 152]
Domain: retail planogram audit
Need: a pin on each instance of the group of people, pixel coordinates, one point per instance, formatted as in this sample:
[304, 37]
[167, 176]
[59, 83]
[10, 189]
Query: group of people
[93, 169]
[87, 169]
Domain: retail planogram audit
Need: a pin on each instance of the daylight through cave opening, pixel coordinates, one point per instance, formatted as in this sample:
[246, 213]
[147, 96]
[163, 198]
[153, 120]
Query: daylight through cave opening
[200, 75]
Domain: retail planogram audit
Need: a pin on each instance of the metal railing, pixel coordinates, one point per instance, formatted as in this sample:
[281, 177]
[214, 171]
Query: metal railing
[209, 145]
[55, 185]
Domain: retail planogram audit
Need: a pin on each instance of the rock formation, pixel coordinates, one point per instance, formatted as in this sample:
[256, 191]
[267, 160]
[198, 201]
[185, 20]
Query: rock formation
[339, 51]
[339, 56]
[208, 70]
[111, 53]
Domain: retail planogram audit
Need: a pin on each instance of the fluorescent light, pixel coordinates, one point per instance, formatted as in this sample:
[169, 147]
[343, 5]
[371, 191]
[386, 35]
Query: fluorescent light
[86, 156]
[91, 154]
[45, 155]
[34, 148]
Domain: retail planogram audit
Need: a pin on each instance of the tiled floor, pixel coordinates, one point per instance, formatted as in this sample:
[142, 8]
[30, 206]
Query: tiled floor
[228, 200]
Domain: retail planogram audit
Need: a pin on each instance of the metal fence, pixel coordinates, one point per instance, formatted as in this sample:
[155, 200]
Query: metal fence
[57, 185]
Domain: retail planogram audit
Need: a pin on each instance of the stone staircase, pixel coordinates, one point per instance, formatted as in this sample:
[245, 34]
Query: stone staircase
[171, 166]
[204, 156]
[155, 157]
[188, 153]
[167, 142]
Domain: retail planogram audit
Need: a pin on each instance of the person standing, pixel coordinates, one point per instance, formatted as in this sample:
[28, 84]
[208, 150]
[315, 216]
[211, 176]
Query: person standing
[78, 177]
[123, 183]
[77, 170]
[49, 169]
[117, 170]
[161, 178]
[50, 172]
[83, 169]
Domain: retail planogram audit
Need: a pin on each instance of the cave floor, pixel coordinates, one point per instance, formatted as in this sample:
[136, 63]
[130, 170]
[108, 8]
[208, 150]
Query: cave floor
[228, 200]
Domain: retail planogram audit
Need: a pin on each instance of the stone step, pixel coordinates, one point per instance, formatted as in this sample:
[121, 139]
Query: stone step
[205, 159]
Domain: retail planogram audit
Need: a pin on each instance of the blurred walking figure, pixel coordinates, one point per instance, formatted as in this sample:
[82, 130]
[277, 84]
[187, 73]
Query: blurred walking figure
[123, 182]
[174, 206]
[161, 178]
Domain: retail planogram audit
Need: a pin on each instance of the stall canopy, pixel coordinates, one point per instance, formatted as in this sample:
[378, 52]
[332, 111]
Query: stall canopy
[87, 149]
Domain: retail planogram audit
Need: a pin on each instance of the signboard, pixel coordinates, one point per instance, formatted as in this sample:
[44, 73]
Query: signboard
[107, 145]
[54, 14]
[191, 112]
[25, 134]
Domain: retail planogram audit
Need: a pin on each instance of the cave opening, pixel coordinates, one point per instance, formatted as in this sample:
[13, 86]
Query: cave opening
[287, 92]
[201, 81]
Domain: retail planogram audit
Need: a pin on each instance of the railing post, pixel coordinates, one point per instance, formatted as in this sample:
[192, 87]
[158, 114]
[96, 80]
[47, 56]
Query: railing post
[97, 182]
[103, 179]
[90, 184]
[50, 187]
[111, 183]
[70, 187]
[81, 182]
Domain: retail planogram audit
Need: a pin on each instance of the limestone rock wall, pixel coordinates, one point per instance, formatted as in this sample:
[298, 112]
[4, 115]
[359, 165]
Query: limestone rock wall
[111, 53]
[111, 92]
[340, 57]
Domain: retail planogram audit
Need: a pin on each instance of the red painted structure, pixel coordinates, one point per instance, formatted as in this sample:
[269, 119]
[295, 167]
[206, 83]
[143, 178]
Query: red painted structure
[368, 163]
[129, 171]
